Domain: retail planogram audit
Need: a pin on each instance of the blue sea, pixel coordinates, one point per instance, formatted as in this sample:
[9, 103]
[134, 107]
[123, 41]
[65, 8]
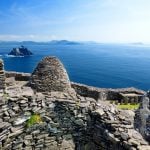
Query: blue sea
[100, 65]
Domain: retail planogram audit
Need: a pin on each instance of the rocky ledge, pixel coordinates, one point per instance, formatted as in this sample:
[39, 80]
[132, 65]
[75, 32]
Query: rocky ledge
[71, 118]
[20, 51]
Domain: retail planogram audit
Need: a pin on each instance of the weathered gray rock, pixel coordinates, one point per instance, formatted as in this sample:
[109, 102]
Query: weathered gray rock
[21, 120]
[68, 145]
[142, 118]
[79, 122]
[100, 111]
[4, 125]
[124, 136]
[15, 134]
[27, 92]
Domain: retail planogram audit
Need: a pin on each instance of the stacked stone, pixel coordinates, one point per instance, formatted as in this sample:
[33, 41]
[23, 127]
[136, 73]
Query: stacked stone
[50, 75]
[131, 94]
[148, 128]
[4, 131]
[2, 76]
[69, 125]
[14, 113]
[115, 129]
[18, 76]
[61, 120]
[142, 118]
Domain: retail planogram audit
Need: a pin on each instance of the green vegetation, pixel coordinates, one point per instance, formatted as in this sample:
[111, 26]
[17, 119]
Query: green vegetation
[35, 119]
[128, 106]
[125, 105]
[78, 104]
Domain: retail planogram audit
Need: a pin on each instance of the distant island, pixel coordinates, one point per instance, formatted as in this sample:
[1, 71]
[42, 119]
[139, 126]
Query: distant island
[54, 42]
[64, 42]
[20, 51]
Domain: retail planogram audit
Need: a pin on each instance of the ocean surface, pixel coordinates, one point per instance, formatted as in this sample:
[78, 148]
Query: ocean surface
[100, 65]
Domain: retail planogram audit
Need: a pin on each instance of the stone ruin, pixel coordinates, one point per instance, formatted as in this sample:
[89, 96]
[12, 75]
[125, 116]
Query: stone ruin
[50, 75]
[123, 95]
[67, 123]
[2, 76]
[142, 117]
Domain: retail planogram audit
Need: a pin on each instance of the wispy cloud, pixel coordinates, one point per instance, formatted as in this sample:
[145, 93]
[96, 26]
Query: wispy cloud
[28, 16]
[81, 20]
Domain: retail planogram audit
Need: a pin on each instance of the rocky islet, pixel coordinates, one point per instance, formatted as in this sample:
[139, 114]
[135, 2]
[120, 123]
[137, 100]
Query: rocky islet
[20, 51]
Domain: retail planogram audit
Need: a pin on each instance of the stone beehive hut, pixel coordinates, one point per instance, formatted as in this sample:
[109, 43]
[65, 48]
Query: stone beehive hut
[2, 76]
[50, 75]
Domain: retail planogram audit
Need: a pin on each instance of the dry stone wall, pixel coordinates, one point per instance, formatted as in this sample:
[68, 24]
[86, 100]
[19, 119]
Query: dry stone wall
[122, 94]
[142, 118]
[15, 135]
[66, 125]
[2, 76]
[18, 75]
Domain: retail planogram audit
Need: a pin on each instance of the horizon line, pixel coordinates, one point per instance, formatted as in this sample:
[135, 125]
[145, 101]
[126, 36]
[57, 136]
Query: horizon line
[78, 41]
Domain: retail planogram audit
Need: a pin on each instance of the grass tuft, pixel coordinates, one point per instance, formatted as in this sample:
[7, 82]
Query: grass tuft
[35, 119]
[128, 106]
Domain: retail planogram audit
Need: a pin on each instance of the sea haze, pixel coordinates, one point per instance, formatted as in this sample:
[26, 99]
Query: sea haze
[100, 65]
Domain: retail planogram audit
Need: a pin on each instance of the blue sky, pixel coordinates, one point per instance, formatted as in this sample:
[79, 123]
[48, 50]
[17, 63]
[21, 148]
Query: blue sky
[79, 20]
